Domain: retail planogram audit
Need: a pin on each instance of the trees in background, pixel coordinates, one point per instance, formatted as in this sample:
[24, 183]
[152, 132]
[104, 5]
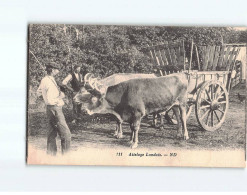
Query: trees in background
[105, 50]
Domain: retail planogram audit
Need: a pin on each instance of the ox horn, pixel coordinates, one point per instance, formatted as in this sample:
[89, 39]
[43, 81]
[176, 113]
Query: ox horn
[99, 87]
[87, 77]
[96, 86]
[92, 82]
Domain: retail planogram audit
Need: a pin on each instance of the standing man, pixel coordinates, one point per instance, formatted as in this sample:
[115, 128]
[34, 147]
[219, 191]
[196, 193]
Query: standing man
[76, 81]
[53, 98]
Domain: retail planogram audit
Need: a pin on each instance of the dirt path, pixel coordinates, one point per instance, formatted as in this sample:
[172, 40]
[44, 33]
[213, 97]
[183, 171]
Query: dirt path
[91, 134]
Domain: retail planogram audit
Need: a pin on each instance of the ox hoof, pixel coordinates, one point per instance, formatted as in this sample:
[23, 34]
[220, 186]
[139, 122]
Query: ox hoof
[134, 145]
[186, 137]
[161, 128]
[119, 135]
[179, 135]
[115, 133]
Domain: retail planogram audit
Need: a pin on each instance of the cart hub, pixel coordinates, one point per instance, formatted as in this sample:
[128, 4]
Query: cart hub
[214, 105]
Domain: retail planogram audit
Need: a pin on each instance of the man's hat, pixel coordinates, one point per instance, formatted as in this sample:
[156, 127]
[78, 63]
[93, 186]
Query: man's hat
[53, 65]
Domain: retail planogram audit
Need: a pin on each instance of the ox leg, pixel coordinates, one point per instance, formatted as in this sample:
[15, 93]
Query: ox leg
[132, 133]
[183, 118]
[179, 125]
[136, 127]
[154, 120]
[116, 131]
[161, 121]
[120, 131]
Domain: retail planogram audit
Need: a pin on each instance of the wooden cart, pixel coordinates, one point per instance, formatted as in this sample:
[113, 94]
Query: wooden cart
[209, 70]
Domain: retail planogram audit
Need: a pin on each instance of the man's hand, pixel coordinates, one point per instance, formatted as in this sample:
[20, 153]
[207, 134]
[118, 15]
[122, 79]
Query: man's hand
[61, 96]
[63, 87]
[69, 88]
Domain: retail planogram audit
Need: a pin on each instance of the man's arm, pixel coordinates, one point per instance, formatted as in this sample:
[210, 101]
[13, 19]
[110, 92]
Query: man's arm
[65, 82]
[51, 99]
[39, 91]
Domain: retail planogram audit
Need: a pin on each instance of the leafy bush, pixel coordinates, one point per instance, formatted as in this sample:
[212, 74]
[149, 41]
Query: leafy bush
[105, 50]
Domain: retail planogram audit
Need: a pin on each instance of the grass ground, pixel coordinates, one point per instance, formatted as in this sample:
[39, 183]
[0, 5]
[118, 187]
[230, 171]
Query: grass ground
[97, 132]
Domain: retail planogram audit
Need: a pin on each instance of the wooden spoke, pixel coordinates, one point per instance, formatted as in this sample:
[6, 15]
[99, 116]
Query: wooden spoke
[206, 101]
[208, 117]
[212, 94]
[208, 95]
[212, 118]
[205, 114]
[216, 116]
[216, 91]
[223, 102]
[220, 95]
[218, 88]
[203, 107]
[221, 111]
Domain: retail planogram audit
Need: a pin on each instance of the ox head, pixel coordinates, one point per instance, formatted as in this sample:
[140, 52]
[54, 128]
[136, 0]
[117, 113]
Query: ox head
[91, 96]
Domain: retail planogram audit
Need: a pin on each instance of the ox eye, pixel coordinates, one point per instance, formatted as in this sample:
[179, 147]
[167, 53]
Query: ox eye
[94, 99]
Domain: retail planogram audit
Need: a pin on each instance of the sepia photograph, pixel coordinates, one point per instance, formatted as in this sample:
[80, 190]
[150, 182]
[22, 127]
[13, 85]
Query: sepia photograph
[118, 95]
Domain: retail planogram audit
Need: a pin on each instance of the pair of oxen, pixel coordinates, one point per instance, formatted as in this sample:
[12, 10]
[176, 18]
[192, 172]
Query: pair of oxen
[129, 97]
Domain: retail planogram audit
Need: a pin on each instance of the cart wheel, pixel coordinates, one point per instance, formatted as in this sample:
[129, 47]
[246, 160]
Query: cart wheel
[171, 118]
[211, 105]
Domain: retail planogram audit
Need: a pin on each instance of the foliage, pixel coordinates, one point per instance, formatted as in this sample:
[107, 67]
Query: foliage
[243, 36]
[105, 50]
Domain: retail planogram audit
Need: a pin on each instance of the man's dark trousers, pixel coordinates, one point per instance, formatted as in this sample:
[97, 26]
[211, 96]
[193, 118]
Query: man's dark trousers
[57, 125]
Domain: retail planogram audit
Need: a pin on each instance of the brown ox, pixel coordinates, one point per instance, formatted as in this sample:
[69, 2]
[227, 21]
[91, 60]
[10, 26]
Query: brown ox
[131, 100]
[114, 79]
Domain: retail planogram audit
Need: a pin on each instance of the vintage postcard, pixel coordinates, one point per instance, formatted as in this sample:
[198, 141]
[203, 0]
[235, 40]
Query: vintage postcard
[136, 95]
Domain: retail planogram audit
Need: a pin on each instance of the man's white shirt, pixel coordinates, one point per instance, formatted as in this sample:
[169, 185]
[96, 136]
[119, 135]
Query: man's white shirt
[49, 90]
